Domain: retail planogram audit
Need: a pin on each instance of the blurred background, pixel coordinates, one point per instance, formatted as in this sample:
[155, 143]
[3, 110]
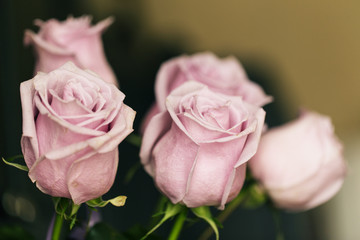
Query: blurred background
[304, 53]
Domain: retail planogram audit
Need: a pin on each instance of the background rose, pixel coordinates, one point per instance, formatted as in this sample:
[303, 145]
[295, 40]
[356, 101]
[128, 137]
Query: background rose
[73, 122]
[196, 151]
[72, 40]
[225, 76]
[300, 164]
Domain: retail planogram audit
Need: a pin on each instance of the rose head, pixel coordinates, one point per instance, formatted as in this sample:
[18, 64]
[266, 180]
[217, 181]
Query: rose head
[197, 150]
[73, 122]
[72, 40]
[300, 164]
[225, 76]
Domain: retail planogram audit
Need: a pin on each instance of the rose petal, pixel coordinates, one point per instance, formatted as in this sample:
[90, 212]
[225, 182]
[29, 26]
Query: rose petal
[214, 164]
[172, 163]
[100, 175]
[29, 143]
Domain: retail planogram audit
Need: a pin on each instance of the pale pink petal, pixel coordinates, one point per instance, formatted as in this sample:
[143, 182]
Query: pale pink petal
[173, 159]
[98, 171]
[157, 127]
[29, 142]
[215, 163]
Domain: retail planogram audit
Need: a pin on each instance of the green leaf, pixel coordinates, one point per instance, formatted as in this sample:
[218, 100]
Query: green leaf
[170, 211]
[11, 160]
[118, 201]
[204, 213]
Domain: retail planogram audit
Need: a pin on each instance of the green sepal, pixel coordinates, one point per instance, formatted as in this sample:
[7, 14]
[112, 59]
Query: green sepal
[61, 204]
[118, 201]
[170, 211]
[11, 160]
[67, 209]
[205, 214]
[72, 223]
[74, 209]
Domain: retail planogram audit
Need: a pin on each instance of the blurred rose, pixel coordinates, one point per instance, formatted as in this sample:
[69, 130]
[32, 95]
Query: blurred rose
[225, 76]
[71, 40]
[73, 122]
[197, 150]
[300, 164]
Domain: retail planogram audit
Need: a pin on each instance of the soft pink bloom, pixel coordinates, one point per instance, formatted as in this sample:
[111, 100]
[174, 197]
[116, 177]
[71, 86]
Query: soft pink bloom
[197, 149]
[225, 76]
[73, 122]
[300, 164]
[72, 40]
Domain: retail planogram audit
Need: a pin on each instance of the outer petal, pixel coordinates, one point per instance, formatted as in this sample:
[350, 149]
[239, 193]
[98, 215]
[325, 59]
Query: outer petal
[92, 177]
[50, 57]
[288, 154]
[157, 127]
[173, 159]
[167, 79]
[252, 142]
[29, 141]
[154, 109]
[234, 185]
[50, 175]
[214, 165]
[313, 191]
[90, 54]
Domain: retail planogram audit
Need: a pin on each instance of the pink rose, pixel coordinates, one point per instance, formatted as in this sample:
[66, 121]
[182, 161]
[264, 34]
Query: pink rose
[225, 76]
[73, 122]
[72, 40]
[197, 149]
[300, 164]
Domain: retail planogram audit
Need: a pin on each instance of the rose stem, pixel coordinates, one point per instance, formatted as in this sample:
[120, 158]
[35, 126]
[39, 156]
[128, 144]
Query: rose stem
[175, 232]
[277, 220]
[225, 214]
[57, 226]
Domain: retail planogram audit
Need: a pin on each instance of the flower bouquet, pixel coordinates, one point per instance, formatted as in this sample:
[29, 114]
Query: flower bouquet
[204, 142]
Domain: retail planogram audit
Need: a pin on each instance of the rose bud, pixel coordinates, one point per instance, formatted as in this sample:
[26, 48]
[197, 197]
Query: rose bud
[72, 40]
[197, 149]
[73, 122]
[225, 76]
[300, 164]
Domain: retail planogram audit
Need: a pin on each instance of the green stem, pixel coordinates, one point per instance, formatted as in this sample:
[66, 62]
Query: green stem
[57, 227]
[176, 230]
[277, 220]
[235, 203]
